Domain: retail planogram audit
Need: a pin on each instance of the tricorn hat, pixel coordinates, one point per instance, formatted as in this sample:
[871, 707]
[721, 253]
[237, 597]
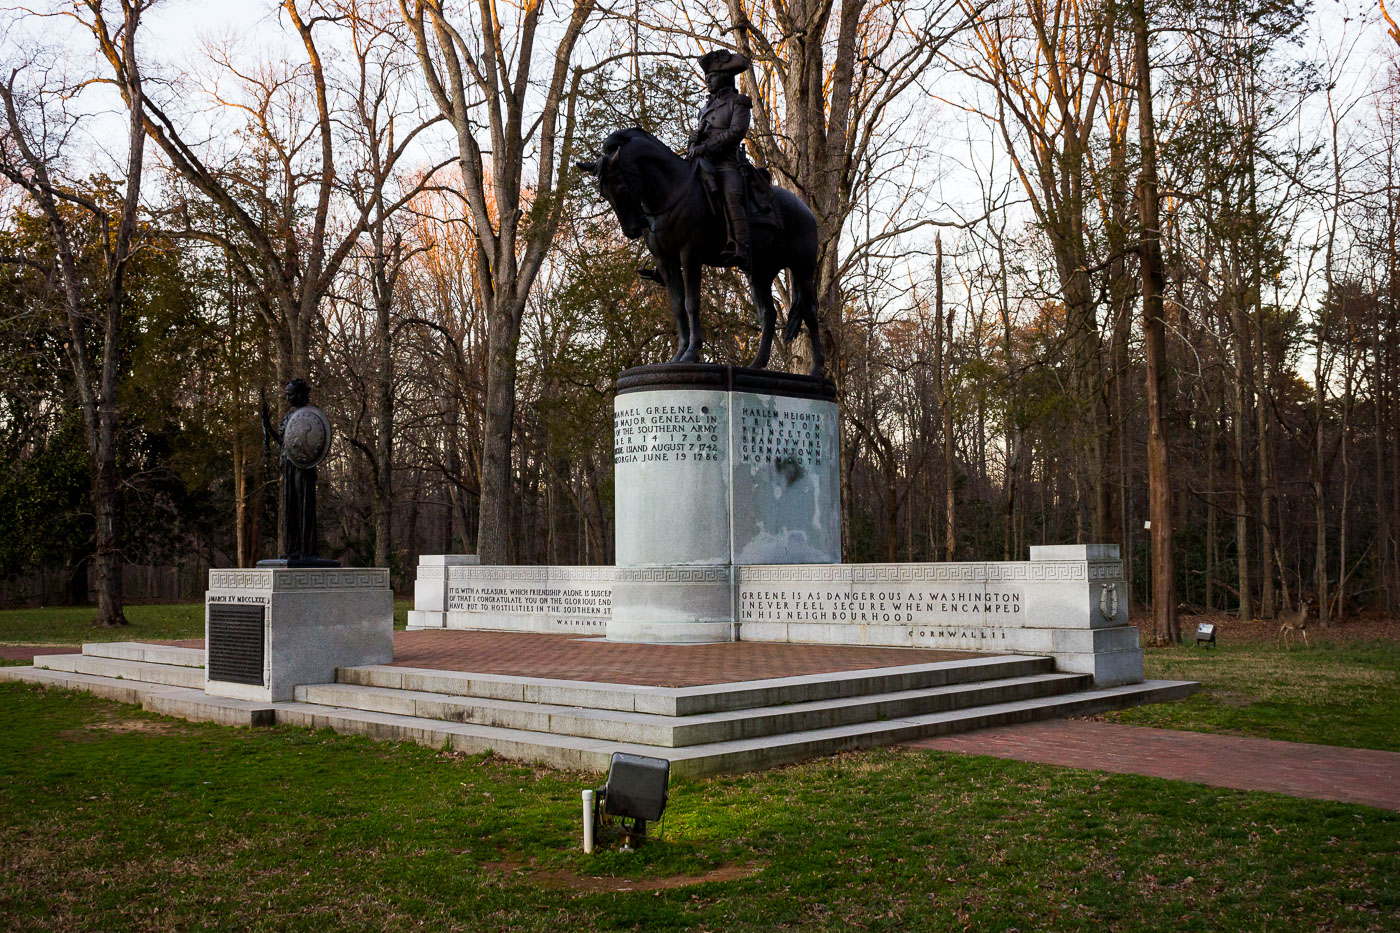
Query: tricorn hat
[723, 62]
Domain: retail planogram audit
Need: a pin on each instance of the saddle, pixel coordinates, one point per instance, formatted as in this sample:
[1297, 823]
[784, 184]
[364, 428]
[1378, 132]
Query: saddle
[758, 190]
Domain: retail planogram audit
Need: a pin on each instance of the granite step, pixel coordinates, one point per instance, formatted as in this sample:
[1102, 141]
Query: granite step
[589, 754]
[687, 701]
[141, 651]
[166, 699]
[695, 729]
[108, 688]
[592, 754]
[119, 669]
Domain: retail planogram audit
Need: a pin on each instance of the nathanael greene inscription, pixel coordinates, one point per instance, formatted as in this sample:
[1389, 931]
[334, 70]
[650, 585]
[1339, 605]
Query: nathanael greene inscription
[691, 433]
[674, 433]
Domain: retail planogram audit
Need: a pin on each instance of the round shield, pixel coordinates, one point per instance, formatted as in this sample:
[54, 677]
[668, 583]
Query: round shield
[306, 437]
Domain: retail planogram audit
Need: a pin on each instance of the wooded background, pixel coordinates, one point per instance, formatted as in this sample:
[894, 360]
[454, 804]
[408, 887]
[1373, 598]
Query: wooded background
[379, 196]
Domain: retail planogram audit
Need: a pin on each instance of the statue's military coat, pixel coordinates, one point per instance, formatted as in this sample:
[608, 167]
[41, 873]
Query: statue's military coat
[723, 122]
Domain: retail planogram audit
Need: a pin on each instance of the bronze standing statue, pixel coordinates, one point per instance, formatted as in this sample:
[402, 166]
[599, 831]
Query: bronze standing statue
[712, 208]
[305, 439]
[724, 122]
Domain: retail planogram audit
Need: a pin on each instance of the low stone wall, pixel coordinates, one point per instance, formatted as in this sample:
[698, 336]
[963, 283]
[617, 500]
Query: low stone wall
[455, 592]
[1068, 602]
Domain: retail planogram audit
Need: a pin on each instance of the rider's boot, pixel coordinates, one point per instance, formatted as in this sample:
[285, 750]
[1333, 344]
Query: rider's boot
[738, 251]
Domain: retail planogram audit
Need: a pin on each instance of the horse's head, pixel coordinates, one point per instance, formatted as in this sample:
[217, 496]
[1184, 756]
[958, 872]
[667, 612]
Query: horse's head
[617, 183]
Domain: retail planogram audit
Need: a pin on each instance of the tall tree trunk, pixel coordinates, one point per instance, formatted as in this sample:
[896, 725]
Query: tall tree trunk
[1240, 417]
[1268, 557]
[384, 441]
[493, 534]
[1154, 333]
[943, 341]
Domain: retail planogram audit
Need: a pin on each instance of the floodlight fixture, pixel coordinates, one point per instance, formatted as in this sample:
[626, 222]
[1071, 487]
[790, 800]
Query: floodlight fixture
[634, 795]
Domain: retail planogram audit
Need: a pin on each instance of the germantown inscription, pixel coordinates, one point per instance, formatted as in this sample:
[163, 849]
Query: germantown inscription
[769, 434]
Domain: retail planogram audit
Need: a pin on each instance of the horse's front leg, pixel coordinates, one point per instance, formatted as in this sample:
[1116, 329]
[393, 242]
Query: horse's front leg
[675, 292]
[690, 274]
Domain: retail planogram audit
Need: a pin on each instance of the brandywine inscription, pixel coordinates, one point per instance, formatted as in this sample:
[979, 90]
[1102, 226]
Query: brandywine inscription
[769, 433]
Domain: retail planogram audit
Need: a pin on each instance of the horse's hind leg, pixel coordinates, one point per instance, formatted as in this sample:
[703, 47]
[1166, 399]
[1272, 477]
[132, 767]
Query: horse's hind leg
[804, 300]
[761, 287]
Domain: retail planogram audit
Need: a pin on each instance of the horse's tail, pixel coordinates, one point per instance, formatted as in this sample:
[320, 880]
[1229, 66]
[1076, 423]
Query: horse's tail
[802, 306]
[793, 327]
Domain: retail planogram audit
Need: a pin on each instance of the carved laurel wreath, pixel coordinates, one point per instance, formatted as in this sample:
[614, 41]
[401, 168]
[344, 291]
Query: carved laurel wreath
[1108, 600]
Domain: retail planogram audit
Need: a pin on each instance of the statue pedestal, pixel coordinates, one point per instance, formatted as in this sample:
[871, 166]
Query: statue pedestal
[716, 466]
[268, 630]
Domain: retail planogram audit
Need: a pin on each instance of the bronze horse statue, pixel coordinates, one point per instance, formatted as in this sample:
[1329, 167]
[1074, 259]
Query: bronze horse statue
[660, 196]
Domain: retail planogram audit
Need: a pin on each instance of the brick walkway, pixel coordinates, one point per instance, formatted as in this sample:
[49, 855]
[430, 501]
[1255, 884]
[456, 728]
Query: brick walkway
[569, 657]
[1323, 772]
[27, 652]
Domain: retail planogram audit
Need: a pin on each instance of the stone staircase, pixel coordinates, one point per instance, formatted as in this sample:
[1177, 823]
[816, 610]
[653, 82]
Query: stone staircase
[701, 730]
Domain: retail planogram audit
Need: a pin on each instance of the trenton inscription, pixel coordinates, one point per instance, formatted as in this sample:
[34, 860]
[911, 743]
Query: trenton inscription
[666, 433]
[773, 433]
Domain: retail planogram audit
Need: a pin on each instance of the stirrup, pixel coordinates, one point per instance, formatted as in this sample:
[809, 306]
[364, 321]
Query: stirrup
[738, 259]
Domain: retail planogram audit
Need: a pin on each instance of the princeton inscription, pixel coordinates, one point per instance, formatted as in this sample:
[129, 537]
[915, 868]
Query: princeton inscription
[787, 439]
[666, 434]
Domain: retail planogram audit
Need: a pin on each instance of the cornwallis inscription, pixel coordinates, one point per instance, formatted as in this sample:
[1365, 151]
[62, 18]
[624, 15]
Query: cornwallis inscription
[666, 434]
[889, 605]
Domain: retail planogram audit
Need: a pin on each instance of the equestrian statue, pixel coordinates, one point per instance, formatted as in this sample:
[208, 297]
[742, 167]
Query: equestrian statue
[712, 207]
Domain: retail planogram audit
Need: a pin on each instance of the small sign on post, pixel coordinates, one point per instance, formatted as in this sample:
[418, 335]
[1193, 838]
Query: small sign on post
[1205, 634]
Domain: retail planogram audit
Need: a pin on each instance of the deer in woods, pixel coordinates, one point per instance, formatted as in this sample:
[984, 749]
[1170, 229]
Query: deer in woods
[1295, 622]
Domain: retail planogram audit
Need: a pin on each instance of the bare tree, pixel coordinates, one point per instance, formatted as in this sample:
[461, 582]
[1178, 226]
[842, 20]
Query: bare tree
[479, 71]
[828, 84]
[1048, 65]
[32, 144]
[1164, 595]
[292, 262]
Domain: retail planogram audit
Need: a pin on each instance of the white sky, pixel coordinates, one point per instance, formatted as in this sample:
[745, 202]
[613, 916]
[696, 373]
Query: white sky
[177, 30]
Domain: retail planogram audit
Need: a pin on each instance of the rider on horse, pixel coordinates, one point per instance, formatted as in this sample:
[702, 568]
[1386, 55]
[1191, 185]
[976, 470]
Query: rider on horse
[723, 122]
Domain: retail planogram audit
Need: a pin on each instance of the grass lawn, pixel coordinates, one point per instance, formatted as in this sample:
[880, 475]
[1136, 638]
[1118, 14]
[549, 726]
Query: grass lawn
[72, 625]
[116, 819]
[1333, 693]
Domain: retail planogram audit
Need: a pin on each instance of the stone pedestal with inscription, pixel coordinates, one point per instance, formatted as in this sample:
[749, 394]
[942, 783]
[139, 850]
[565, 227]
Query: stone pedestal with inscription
[716, 466]
[1068, 602]
[268, 630]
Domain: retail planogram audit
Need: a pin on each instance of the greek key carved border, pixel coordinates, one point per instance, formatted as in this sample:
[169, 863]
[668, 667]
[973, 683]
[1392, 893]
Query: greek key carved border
[718, 574]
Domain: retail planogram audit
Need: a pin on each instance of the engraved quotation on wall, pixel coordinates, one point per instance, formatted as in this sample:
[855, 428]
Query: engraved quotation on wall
[574, 601]
[666, 433]
[891, 605]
